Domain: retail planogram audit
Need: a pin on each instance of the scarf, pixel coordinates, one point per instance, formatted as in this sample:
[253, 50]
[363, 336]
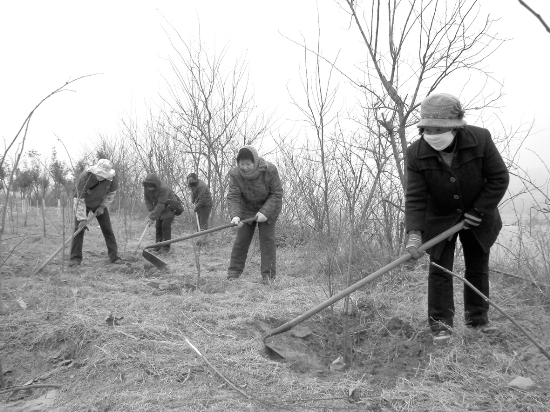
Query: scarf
[259, 165]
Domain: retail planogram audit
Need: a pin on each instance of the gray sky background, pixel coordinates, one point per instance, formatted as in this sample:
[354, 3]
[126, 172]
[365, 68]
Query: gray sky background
[43, 44]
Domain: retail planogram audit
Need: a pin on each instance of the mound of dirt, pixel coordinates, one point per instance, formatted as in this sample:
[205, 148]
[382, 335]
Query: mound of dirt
[395, 350]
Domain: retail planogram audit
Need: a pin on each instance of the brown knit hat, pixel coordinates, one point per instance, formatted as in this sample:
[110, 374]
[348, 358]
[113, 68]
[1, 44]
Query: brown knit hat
[441, 110]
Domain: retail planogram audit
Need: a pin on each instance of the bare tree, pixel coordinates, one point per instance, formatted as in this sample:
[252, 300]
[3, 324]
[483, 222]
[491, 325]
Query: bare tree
[318, 110]
[211, 111]
[19, 143]
[411, 49]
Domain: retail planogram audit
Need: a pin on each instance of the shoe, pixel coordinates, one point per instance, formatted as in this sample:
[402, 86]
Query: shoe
[73, 263]
[118, 261]
[442, 337]
[233, 275]
[487, 329]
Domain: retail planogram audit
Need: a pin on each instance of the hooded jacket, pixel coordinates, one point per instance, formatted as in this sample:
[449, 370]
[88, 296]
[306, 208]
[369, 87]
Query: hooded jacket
[438, 195]
[263, 194]
[155, 200]
[200, 195]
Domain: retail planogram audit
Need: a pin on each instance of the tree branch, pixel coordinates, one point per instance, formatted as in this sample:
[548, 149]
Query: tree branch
[538, 16]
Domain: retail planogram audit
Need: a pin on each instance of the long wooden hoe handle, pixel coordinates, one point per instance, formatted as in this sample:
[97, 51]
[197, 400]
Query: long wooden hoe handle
[201, 233]
[63, 246]
[432, 242]
[198, 223]
[143, 235]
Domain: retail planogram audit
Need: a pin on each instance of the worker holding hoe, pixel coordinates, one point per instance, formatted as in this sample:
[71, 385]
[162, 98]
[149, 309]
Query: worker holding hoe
[255, 190]
[201, 199]
[157, 195]
[454, 173]
[95, 190]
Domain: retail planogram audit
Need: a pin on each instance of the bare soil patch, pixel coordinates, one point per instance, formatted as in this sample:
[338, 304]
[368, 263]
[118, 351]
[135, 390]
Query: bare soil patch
[382, 355]
[114, 338]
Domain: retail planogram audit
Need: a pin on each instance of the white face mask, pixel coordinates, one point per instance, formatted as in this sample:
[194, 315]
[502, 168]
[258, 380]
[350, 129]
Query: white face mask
[439, 141]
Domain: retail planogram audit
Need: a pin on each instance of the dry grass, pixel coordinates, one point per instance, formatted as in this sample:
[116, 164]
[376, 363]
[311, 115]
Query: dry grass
[144, 364]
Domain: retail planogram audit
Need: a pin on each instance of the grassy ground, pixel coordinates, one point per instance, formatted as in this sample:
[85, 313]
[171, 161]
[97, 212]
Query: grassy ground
[114, 336]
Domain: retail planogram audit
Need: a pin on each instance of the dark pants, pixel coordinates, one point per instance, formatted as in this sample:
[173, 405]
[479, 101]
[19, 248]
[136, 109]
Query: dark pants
[204, 215]
[268, 249]
[441, 307]
[105, 224]
[163, 232]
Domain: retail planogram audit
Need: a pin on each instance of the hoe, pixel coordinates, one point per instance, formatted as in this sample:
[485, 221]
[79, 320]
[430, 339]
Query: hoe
[159, 264]
[280, 348]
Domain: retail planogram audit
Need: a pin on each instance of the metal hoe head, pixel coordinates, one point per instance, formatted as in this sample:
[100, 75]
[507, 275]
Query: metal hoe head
[159, 264]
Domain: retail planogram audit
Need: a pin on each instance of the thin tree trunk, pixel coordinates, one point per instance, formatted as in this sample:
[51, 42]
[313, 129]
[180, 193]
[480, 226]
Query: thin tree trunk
[62, 268]
[346, 338]
[44, 215]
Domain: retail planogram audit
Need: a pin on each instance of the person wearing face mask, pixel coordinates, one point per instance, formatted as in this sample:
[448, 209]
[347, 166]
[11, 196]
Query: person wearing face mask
[201, 199]
[454, 173]
[255, 190]
[95, 191]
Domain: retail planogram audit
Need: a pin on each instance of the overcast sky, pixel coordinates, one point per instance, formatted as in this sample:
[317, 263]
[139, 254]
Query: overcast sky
[43, 44]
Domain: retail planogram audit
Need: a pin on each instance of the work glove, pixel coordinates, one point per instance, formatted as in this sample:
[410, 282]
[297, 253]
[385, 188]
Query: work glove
[472, 218]
[151, 222]
[82, 224]
[99, 211]
[260, 217]
[414, 242]
[236, 221]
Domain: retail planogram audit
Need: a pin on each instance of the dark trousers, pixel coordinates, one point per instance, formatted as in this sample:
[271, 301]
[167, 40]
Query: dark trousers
[163, 232]
[105, 224]
[204, 215]
[268, 249]
[441, 307]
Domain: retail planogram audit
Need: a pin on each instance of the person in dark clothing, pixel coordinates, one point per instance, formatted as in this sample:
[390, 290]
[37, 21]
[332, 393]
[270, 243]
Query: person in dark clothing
[255, 190]
[157, 194]
[201, 199]
[454, 173]
[95, 190]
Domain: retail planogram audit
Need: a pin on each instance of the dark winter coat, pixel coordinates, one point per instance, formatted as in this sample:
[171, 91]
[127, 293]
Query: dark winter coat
[438, 195]
[200, 195]
[95, 192]
[264, 194]
[155, 200]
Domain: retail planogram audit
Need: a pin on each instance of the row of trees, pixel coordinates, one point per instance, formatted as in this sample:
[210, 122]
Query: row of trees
[36, 178]
[344, 172]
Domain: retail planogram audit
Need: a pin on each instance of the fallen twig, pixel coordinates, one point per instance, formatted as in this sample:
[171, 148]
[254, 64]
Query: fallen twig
[517, 325]
[252, 397]
[11, 252]
[24, 388]
[517, 277]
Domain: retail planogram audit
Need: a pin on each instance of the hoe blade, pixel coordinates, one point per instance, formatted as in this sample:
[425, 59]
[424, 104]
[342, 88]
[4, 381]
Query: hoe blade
[159, 264]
